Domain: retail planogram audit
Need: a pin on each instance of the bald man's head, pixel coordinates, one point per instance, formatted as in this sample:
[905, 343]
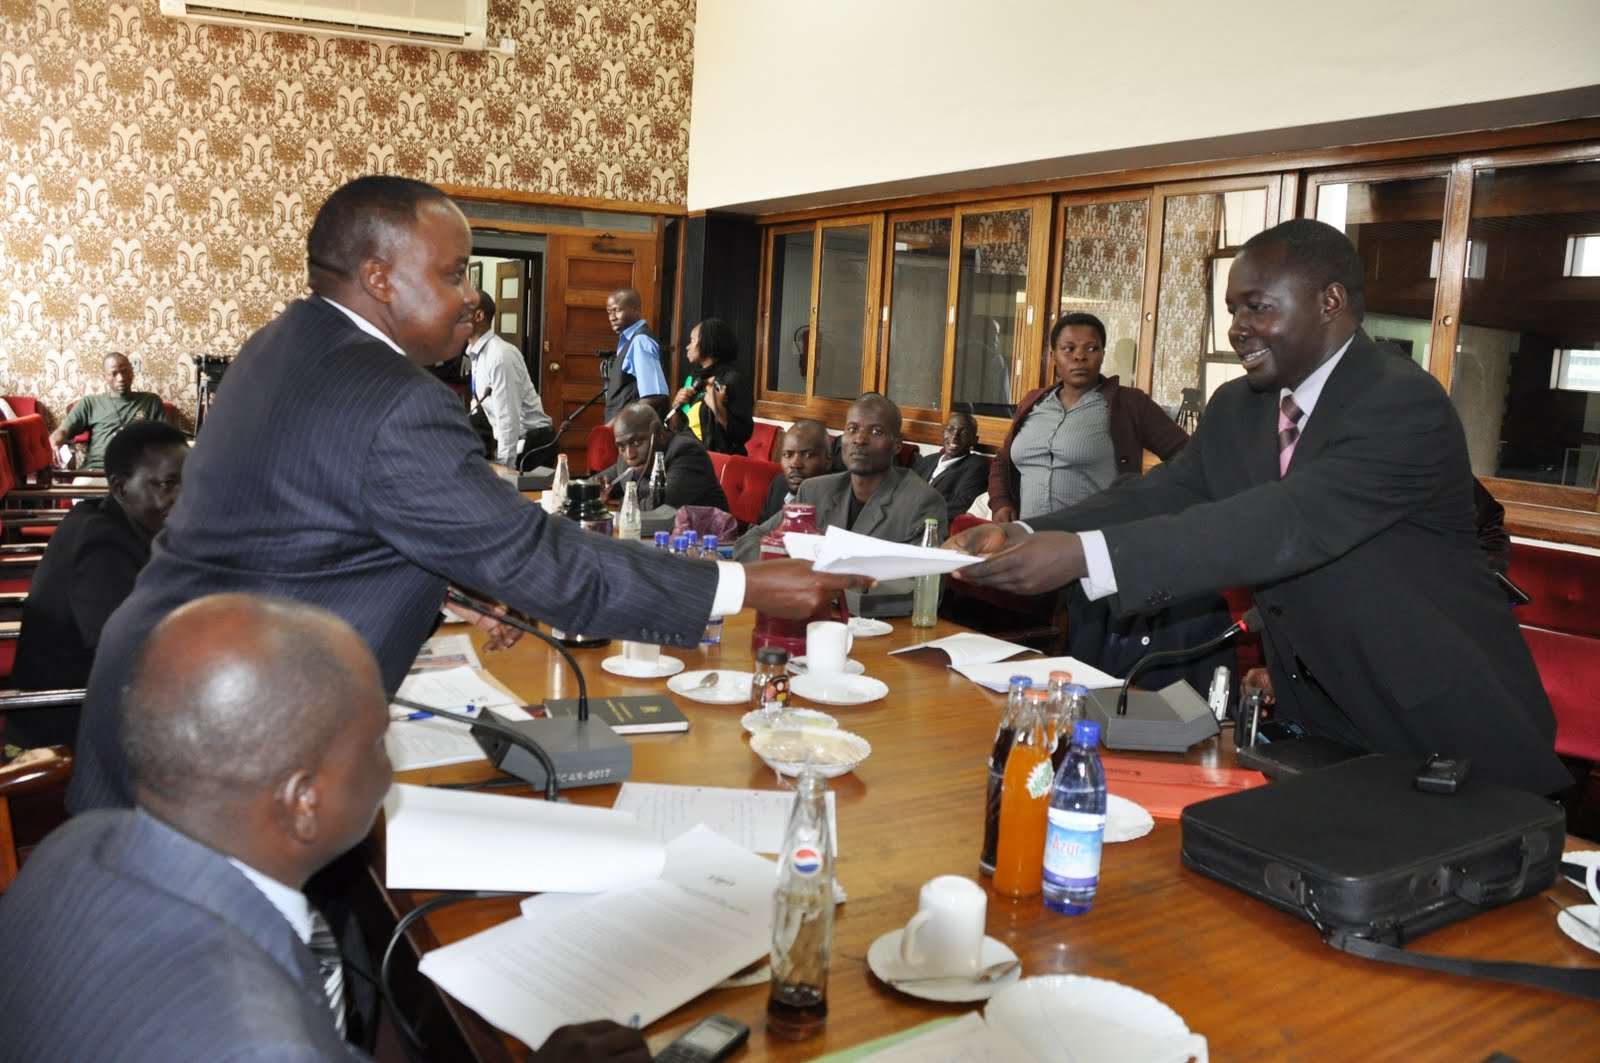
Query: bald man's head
[234, 693]
[637, 431]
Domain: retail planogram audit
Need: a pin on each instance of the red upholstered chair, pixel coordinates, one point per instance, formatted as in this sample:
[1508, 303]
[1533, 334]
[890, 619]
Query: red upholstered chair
[35, 772]
[907, 455]
[30, 444]
[765, 442]
[23, 405]
[602, 448]
[719, 462]
[746, 481]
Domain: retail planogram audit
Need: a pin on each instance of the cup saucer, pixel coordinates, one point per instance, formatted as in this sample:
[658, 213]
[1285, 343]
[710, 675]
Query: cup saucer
[799, 666]
[883, 958]
[659, 668]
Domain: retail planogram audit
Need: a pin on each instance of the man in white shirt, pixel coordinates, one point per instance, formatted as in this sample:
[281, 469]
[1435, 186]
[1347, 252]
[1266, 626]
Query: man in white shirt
[505, 393]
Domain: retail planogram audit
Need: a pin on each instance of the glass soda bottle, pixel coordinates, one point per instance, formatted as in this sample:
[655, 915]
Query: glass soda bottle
[655, 493]
[713, 632]
[1077, 825]
[628, 515]
[1059, 726]
[558, 486]
[925, 592]
[1025, 802]
[1003, 737]
[802, 918]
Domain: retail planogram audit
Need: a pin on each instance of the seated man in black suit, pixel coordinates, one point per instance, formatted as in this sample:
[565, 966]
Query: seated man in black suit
[956, 472]
[805, 454]
[254, 728]
[89, 567]
[640, 435]
[876, 497]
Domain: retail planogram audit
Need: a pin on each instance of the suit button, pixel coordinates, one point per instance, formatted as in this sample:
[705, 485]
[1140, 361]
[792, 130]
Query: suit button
[1274, 610]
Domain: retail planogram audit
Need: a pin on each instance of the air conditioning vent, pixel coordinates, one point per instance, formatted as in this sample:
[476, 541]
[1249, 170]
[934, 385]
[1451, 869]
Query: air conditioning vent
[449, 23]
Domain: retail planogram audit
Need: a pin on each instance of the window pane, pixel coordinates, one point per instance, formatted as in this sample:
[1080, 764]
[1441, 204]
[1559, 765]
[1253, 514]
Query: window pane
[1396, 225]
[1199, 237]
[1102, 273]
[920, 289]
[842, 311]
[790, 326]
[1517, 318]
[991, 303]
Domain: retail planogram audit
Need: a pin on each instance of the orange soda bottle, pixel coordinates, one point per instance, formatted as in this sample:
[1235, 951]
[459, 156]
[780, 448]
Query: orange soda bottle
[1025, 803]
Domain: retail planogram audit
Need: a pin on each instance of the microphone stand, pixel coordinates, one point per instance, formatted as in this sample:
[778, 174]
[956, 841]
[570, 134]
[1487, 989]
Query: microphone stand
[483, 608]
[1251, 621]
[552, 789]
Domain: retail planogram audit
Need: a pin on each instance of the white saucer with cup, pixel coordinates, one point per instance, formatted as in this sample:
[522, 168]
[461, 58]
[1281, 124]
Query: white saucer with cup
[941, 953]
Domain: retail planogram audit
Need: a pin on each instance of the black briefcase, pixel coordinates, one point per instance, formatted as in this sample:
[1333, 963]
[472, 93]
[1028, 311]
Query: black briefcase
[1373, 862]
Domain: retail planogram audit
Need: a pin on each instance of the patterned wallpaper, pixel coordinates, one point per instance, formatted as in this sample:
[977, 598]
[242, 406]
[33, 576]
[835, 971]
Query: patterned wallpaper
[160, 175]
[1102, 272]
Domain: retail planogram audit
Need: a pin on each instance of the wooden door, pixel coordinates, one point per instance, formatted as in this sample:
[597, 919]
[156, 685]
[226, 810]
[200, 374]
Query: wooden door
[582, 269]
[508, 302]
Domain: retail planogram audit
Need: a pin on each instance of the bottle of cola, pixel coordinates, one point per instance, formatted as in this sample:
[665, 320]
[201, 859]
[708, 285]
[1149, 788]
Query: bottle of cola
[802, 919]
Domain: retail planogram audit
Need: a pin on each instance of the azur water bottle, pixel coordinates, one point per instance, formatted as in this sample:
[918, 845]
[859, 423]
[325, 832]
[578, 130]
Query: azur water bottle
[1077, 825]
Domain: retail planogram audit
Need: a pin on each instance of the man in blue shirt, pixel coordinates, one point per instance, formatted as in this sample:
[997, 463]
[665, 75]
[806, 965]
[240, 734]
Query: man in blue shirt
[636, 374]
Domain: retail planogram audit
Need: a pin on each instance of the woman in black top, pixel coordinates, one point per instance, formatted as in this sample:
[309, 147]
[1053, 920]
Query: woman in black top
[715, 402]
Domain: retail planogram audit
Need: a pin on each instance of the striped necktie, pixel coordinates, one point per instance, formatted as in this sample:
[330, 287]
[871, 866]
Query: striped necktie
[1289, 415]
[325, 950]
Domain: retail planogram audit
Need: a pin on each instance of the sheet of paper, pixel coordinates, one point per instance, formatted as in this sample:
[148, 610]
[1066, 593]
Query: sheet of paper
[461, 840]
[997, 676]
[848, 553]
[431, 743]
[970, 647]
[453, 688]
[966, 1040]
[627, 955]
[752, 819]
[446, 651]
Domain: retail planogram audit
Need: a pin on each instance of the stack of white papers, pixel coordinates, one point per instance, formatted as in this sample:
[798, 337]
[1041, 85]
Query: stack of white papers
[629, 955]
[850, 554]
[752, 819]
[461, 840]
[997, 676]
[446, 651]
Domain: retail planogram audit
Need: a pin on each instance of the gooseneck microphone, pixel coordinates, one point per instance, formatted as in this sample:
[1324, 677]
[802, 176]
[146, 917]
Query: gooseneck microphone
[483, 608]
[1251, 621]
[552, 790]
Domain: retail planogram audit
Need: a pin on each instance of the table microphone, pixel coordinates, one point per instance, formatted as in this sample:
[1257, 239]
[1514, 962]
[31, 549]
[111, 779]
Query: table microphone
[584, 752]
[552, 790]
[1251, 621]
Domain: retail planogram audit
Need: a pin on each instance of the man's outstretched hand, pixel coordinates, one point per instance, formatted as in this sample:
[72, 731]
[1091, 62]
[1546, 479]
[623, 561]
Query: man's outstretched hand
[986, 539]
[593, 1042]
[791, 589]
[1033, 564]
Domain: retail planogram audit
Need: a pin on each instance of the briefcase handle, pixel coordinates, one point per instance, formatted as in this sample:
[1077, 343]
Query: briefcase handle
[1479, 893]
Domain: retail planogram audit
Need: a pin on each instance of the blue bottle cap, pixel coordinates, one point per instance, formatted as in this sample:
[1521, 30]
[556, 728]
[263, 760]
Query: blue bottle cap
[1078, 689]
[709, 542]
[1021, 680]
[662, 539]
[1086, 733]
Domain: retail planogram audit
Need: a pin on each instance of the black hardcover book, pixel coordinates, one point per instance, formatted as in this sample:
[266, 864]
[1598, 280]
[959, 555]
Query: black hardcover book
[641, 715]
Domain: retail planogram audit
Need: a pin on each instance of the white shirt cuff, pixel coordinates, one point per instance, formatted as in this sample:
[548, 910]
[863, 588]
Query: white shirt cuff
[730, 589]
[1101, 582]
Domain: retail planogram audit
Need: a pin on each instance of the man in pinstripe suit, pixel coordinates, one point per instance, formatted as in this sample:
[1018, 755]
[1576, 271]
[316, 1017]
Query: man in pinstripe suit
[177, 931]
[334, 469]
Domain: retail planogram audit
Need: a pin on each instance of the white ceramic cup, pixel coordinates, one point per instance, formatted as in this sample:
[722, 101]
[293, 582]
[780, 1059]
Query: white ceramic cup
[642, 652]
[945, 937]
[828, 645]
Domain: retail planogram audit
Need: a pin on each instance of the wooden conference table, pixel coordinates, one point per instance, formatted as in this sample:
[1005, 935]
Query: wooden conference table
[1259, 984]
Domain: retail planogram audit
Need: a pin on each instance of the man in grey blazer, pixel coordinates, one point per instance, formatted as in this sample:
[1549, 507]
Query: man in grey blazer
[335, 469]
[875, 497]
[1349, 514]
[177, 930]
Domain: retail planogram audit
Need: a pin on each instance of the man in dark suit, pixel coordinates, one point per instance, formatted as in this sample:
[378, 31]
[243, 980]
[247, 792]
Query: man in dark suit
[876, 497]
[178, 930]
[334, 469]
[805, 454]
[640, 436]
[956, 472]
[1347, 509]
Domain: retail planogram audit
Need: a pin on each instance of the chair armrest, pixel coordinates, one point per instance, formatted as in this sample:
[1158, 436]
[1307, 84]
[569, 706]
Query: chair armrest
[35, 770]
[16, 700]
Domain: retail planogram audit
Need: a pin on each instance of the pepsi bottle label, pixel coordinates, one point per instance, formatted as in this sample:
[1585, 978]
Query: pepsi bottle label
[805, 861]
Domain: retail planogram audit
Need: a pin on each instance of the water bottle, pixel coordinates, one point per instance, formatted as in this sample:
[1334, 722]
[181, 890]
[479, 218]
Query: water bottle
[1004, 735]
[802, 918]
[628, 516]
[655, 494]
[663, 541]
[925, 592]
[691, 543]
[1077, 825]
[713, 634]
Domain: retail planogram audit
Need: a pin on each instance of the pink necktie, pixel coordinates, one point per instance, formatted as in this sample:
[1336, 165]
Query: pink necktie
[1289, 416]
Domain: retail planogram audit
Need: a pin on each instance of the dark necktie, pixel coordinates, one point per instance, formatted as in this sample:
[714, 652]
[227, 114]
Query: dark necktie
[1289, 415]
[325, 950]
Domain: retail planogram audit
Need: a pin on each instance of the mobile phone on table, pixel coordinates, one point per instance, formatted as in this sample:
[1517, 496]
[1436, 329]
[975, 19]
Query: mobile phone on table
[713, 1038]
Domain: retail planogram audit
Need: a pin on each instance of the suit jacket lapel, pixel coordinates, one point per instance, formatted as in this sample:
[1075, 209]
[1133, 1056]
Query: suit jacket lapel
[1346, 381]
[876, 510]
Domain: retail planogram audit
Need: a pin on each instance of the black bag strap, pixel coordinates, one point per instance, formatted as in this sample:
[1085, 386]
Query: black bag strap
[1575, 981]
